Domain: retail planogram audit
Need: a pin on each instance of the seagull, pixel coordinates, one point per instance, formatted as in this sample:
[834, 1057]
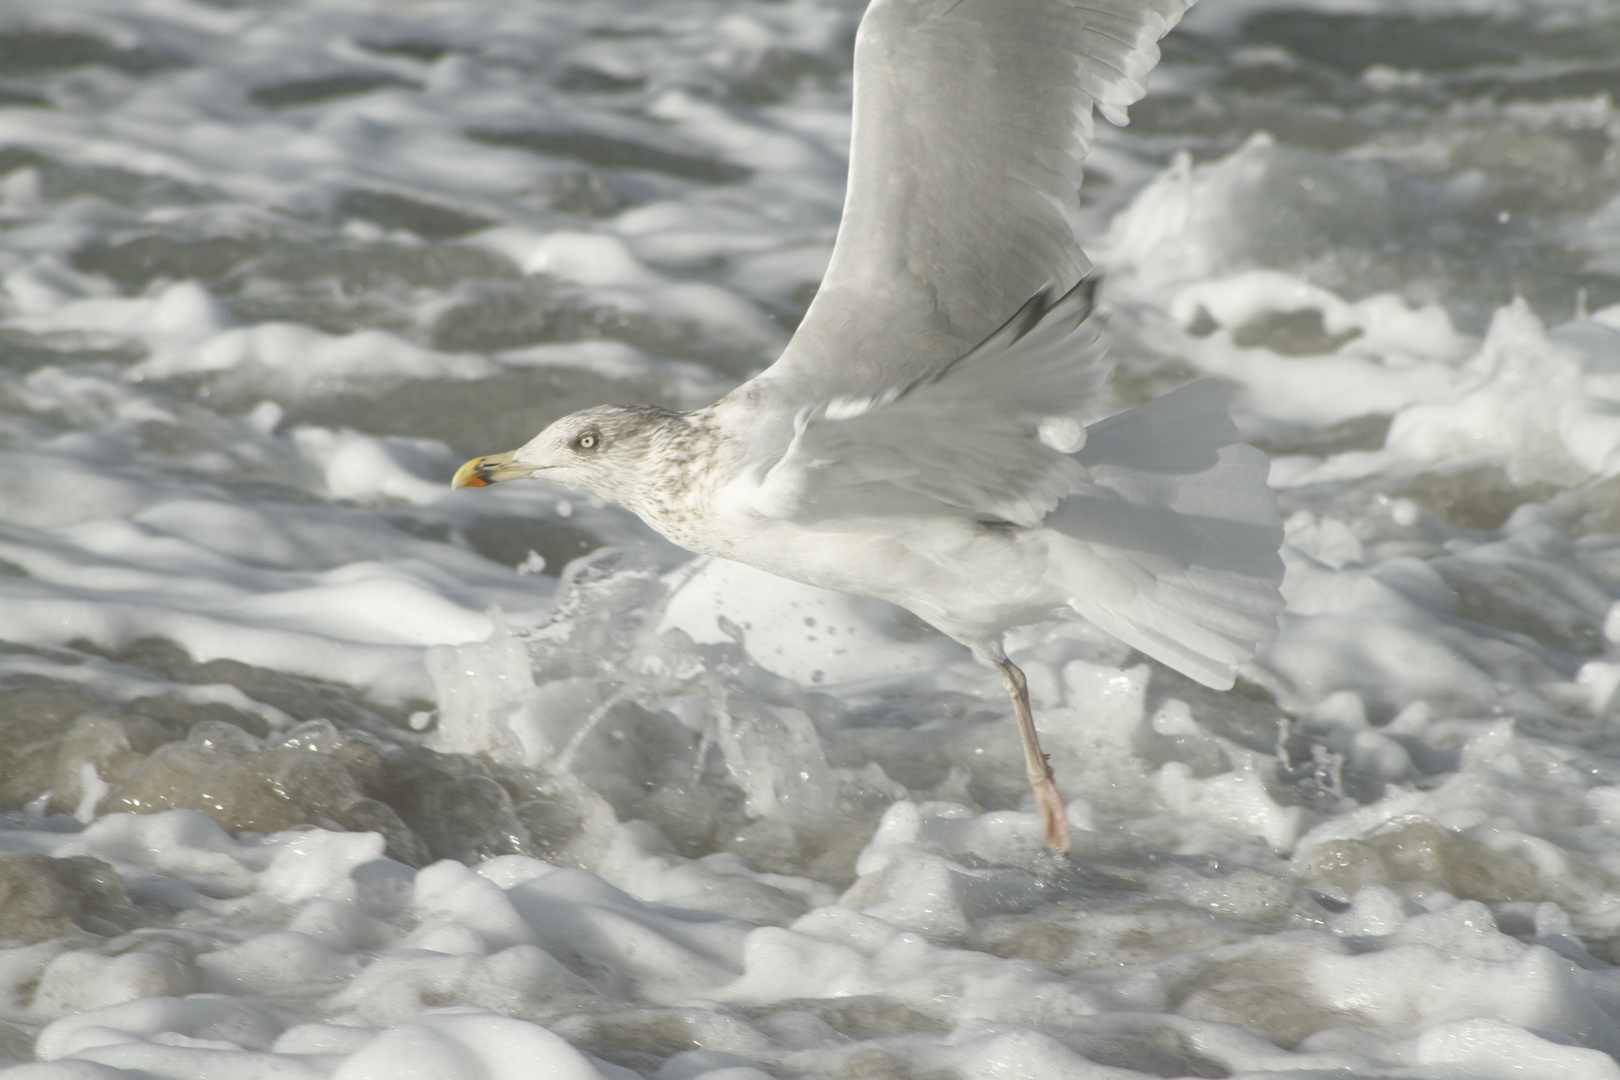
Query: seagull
[923, 437]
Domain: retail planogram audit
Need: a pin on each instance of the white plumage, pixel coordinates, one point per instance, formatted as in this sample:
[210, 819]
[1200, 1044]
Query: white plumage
[959, 435]
[922, 437]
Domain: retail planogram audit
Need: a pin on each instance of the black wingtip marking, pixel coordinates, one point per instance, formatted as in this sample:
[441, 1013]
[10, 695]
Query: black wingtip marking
[1081, 299]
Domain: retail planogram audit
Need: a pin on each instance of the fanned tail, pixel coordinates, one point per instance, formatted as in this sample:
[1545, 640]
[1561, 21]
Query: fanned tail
[1173, 547]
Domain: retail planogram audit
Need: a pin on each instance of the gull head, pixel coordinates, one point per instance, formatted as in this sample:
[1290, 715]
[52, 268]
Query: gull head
[600, 451]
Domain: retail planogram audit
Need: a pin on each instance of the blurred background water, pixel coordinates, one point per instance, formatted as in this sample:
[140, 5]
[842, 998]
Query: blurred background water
[270, 270]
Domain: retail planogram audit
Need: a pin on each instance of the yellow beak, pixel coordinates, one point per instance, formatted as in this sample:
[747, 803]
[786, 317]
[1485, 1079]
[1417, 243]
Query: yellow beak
[484, 471]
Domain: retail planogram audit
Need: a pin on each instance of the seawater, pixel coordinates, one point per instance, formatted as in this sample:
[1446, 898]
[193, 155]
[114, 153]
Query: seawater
[312, 767]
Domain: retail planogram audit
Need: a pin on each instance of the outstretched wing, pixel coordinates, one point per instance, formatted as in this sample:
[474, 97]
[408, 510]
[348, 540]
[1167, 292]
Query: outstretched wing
[990, 434]
[971, 120]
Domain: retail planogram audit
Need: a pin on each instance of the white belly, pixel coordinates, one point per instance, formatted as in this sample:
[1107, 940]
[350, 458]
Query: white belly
[972, 582]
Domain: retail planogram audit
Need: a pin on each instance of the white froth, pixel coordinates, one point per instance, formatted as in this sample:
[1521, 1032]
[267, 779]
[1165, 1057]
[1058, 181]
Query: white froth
[252, 314]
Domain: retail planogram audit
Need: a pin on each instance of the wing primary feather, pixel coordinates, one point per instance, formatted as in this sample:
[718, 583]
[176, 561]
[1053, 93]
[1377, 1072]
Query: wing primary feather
[1072, 309]
[977, 435]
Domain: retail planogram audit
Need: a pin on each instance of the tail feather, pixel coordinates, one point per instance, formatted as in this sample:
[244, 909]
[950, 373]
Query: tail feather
[1173, 546]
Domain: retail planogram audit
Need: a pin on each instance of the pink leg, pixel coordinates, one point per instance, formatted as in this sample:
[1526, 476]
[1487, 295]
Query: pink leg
[1036, 765]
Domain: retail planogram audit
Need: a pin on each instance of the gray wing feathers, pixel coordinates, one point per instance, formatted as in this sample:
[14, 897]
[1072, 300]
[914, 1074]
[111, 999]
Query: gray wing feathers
[968, 435]
[971, 120]
[1172, 547]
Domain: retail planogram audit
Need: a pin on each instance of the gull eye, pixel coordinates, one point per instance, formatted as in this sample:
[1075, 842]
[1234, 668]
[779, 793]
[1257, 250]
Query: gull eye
[587, 441]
